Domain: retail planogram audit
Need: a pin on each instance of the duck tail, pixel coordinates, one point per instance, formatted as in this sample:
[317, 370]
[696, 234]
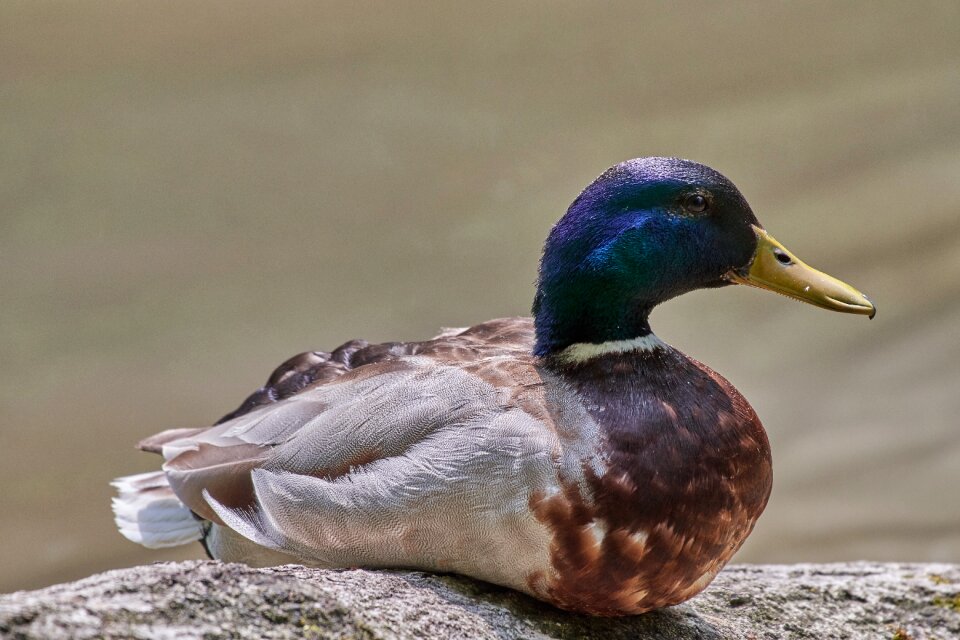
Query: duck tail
[148, 512]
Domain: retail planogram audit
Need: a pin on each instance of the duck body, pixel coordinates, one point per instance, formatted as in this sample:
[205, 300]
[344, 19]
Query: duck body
[613, 486]
[573, 456]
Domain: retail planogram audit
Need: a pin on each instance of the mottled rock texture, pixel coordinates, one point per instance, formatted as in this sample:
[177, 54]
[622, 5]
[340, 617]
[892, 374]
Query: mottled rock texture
[212, 600]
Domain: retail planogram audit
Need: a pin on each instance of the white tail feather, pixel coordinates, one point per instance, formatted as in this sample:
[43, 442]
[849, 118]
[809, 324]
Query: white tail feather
[149, 513]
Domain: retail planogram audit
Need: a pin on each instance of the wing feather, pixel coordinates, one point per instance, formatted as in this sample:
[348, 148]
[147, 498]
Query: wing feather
[362, 433]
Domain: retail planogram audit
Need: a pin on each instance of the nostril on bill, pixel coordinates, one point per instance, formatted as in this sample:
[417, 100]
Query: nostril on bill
[782, 257]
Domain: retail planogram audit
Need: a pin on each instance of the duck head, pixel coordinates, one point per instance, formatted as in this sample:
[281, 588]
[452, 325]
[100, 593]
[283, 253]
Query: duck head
[648, 230]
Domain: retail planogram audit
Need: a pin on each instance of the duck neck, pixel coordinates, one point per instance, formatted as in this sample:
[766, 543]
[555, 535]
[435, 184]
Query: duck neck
[580, 325]
[583, 352]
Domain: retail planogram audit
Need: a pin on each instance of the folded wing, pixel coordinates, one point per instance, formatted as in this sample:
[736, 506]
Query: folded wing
[400, 454]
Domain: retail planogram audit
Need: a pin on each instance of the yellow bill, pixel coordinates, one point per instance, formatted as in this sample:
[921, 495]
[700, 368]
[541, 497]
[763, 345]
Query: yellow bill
[774, 268]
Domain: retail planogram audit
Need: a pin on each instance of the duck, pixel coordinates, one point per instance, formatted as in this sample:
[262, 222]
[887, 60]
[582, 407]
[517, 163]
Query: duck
[572, 455]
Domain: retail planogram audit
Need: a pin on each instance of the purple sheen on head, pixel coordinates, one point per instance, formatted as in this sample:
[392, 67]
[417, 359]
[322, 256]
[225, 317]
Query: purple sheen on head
[626, 244]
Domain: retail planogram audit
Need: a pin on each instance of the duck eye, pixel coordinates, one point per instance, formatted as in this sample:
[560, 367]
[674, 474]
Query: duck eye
[695, 203]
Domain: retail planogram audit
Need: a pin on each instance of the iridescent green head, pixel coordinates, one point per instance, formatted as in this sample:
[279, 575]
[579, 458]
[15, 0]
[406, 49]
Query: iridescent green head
[648, 230]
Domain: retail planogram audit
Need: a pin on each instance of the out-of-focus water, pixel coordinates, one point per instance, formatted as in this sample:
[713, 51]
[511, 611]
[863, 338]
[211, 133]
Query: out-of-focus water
[190, 192]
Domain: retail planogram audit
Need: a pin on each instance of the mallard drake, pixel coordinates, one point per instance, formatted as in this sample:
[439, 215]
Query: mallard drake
[573, 456]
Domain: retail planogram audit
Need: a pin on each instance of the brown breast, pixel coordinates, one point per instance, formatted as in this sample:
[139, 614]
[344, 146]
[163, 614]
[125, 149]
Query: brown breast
[688, 474]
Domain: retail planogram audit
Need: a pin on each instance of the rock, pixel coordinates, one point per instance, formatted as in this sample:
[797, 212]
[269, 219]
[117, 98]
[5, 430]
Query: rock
[212, 600]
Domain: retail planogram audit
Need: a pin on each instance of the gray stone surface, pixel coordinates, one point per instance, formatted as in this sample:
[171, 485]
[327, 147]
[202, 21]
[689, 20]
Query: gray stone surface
[212, 600]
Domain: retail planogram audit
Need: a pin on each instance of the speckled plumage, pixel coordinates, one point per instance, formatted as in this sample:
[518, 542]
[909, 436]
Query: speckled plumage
[573, 456]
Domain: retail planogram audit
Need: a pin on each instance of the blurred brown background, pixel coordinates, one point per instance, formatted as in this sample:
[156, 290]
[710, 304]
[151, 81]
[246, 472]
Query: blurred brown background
[190, 192]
